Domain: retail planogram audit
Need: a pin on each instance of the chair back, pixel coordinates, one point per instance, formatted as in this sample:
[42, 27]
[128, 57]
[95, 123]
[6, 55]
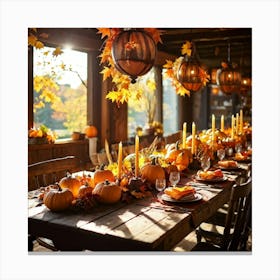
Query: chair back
[238, 216]
[48, 172]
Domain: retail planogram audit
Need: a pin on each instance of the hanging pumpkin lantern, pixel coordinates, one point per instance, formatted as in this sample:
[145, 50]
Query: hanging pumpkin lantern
[229, 78]
[134, 53]
[189, 75]
[189, 72]
[245, 85]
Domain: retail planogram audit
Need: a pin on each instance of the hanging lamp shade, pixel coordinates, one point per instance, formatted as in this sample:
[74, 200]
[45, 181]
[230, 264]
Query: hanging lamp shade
[229, 78]
[134, 53]
[245, 86]
[189, 75]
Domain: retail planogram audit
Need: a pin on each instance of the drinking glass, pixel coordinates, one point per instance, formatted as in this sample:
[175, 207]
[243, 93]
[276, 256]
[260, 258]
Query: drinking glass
[238, 148]
[174, 178]
[229, 152]
[205, 162]
[160, 184]
[221, 153]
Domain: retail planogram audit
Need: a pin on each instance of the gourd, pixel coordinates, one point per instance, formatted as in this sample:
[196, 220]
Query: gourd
[58, 200]
[100, 175]
[152, 171]
[91, 131]
[107, 192]
[84, 190]
[70, 183]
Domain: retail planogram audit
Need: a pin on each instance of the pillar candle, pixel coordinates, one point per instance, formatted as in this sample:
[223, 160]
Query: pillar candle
[213, 128]
[237, 124]
[136, 156]
[107, 150]
[184, 135]
[120, 161]
[241, 121]
[222, 123]
[193, 137]
[232, 126]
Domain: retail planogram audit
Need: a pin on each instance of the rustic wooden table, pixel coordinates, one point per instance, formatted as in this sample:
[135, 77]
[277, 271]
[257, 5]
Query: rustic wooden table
[143, 225]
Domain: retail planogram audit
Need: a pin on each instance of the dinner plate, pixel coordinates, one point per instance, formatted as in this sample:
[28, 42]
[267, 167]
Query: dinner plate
[227, 168]
[214, 180]
[197, 197]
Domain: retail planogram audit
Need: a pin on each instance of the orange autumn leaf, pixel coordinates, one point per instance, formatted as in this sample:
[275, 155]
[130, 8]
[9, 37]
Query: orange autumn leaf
[187, 48]
[106, 72]
[57, 51]
[155, 33]
[168, 64]
[105, 32]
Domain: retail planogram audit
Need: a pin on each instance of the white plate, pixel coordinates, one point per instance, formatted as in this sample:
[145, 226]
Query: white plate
[197, 197]
[214, 180]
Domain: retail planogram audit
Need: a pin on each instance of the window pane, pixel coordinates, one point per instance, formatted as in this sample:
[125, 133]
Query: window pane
[170, 108]
[142, 111]
[60, 93]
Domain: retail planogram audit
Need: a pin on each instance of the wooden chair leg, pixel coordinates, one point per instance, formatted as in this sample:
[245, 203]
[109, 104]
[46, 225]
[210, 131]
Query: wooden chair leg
[31, 239]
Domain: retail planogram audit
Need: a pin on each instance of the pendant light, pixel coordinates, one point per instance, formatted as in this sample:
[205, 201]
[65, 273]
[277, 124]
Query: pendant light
[189, 72]
[229, 78]
[133, 52]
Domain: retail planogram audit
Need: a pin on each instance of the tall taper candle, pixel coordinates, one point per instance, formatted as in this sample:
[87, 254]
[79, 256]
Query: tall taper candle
[193, 137]
[184, 136]
[241, 121]
[237, 124]
[213, 128]
[120, 161]
[136, 156]
[232, 126]
[222, 123]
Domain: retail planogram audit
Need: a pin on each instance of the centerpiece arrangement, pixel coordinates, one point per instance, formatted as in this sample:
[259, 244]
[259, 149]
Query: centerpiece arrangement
[137, 175]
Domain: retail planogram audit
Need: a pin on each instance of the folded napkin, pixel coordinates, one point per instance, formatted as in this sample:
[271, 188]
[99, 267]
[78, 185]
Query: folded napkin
[179, 192]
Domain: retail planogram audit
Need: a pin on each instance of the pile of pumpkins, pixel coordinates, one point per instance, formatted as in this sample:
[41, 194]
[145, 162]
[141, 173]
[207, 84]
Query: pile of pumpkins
[101, 185]
[104, 186]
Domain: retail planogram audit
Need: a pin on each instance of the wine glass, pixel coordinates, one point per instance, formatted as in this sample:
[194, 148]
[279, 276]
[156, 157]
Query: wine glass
[160, 184]
[238, 148]
[229, 151]
[174, 178]
[205, 162]
[221, 153]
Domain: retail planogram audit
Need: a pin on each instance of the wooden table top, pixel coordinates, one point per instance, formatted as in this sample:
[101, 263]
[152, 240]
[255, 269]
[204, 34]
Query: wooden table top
[142, 225]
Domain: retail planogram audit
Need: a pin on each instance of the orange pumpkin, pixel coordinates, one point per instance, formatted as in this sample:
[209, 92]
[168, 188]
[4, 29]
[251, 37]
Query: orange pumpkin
[91, 131]
[84, 190]
[183, 159]
[73, 184]
[107, 192]
[100, 175]
[152, 171]
[58, 200]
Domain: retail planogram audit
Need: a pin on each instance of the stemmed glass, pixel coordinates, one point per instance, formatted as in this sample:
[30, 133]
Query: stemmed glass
[238, 147]
[160, 184]
[205, 162]
[221, 153]
[174, 178]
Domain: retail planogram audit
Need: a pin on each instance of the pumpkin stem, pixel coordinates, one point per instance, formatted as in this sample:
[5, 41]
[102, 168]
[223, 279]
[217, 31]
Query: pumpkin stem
[154, 161]
[58, 186]
[177, 145]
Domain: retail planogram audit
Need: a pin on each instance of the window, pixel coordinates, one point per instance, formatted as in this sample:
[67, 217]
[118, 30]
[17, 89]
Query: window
[170, 108]
[142, 111]
[59, 87]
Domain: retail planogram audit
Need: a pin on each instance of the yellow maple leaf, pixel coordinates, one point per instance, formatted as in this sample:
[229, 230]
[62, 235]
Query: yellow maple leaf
[32, 39]
[57, 51]
[183, 91]
[187, 48]
[39, 45]
[168, 64]
[106, 72]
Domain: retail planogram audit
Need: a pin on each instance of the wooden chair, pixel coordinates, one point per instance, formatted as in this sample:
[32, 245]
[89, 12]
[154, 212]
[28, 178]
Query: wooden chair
[236, 224]
[44, 173]
[48, 172]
